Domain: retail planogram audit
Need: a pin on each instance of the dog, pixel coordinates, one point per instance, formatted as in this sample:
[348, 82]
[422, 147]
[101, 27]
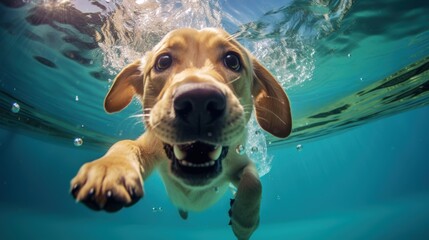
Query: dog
[198, 89]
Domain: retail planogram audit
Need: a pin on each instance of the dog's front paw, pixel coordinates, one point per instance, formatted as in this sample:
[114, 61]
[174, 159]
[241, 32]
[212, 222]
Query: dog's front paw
[244, 211]
[107, 184]
[243, 223]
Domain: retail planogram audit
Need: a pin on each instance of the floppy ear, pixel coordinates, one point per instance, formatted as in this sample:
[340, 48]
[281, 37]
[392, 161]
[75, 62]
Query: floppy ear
[126, 84]
[271, 103]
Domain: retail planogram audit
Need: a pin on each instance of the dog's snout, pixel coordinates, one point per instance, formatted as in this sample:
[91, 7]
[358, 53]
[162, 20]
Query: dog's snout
[199, 104]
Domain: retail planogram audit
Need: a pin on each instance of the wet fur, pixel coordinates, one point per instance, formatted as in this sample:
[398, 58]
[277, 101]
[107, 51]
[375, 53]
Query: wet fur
[116, 179]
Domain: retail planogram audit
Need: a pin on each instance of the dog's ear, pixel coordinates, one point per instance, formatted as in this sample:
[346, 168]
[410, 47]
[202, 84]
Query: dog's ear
[271, 102]
[126, 84]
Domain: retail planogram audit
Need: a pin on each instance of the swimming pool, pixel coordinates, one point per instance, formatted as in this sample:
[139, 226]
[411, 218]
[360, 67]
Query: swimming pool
[355, 167]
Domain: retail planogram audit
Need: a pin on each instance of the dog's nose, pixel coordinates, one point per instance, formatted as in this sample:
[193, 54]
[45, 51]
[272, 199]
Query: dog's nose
[199, 104]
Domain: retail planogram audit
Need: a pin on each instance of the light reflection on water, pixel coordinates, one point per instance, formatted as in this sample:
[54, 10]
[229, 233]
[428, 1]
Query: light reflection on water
[281, 38]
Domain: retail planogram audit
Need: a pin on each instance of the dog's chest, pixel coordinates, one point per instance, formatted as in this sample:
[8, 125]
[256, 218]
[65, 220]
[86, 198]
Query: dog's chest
[193, 198]
[196, 200]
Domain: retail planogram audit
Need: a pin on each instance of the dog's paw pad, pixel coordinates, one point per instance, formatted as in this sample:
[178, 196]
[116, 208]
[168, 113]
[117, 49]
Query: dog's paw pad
[183, 214]
[107, 185]
[109, 194]
[89, 200]
[91, 192]
[113, 202]
[75, 189]
[135, 194]
[231, 202]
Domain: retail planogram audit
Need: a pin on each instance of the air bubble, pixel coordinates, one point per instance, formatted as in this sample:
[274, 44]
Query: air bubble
[78, 142]
[299, 147]
[254, 149]
[240, 149]
[257, 147]
[15, 107]
[157, 209]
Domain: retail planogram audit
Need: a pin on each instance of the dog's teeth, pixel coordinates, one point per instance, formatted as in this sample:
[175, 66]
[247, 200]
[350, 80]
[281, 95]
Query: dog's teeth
[190, 164]
[215, 154]
[184, 163]
[179, 153]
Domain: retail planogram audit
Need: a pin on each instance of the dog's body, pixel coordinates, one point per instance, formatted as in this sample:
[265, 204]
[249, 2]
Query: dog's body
[198, 89]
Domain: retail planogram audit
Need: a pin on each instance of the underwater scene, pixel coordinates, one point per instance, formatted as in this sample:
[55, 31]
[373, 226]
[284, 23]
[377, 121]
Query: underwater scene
[356, 165]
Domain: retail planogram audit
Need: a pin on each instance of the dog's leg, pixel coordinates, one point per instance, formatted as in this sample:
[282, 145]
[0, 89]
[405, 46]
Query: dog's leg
[116, 179]
[245, 207]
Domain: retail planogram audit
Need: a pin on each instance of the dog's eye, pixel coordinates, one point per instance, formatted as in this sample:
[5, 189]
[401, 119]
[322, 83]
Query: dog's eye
[163, 62]
[232, 61]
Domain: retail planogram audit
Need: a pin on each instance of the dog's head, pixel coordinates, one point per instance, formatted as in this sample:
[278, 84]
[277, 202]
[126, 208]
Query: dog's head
[198, 90]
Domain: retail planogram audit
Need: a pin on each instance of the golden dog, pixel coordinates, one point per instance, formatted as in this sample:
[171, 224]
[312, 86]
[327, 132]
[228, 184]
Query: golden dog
[198, 89]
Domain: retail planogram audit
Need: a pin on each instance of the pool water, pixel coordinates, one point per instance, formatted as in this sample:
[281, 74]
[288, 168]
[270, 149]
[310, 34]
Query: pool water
[356, 165]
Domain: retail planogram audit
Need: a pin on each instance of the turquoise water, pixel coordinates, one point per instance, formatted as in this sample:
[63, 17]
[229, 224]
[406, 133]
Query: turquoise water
[355, 167]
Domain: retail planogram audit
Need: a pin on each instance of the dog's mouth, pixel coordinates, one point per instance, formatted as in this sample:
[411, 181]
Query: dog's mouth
[196, 163]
